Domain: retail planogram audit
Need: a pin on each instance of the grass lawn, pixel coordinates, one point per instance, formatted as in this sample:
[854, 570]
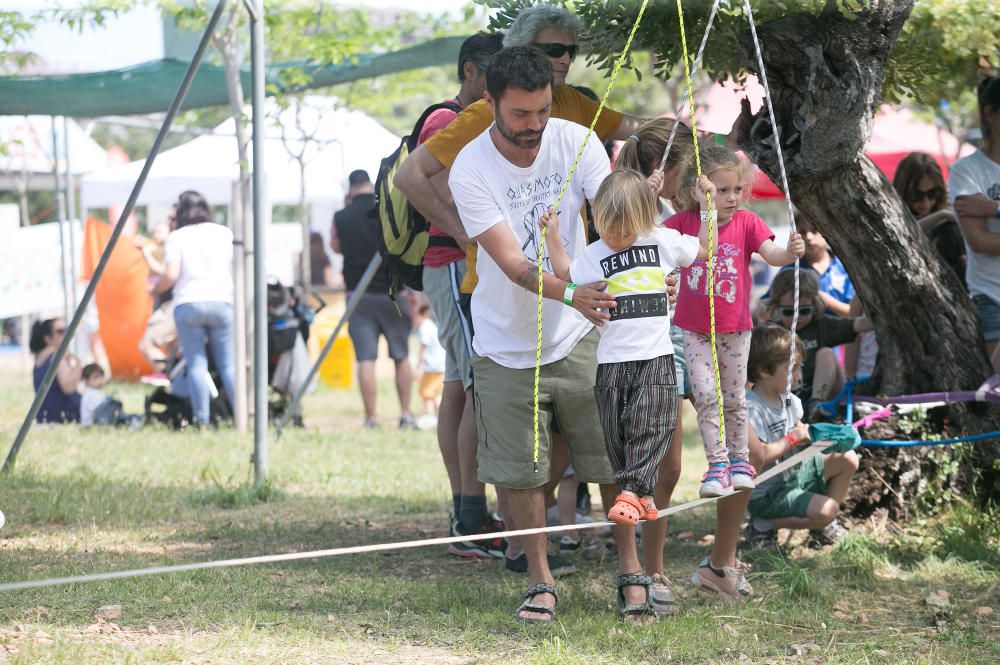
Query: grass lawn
[83, 501]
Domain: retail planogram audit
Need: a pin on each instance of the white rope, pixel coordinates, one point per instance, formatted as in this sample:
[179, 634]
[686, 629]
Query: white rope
[788, 196]
[694, 70]
[383, 547]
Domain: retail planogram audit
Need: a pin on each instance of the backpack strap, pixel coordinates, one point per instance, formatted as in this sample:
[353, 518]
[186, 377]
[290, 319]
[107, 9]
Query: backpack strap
[411, 140]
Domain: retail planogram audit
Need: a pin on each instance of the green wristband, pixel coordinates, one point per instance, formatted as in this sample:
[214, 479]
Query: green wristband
[568, 294]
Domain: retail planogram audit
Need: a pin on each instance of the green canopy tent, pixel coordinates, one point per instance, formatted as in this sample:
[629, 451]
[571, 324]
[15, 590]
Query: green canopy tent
[149, 87]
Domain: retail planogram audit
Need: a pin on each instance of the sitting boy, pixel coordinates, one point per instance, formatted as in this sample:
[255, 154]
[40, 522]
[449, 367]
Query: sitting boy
[96, 408]
[809, 495]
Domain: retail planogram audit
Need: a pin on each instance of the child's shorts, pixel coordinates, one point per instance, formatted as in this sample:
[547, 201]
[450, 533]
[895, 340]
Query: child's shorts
[790, 496]
[989, 316]
[431, 385]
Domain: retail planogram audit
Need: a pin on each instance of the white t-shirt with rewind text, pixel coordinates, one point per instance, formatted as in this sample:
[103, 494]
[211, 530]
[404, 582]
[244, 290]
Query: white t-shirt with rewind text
[639, 328]
[489, 190]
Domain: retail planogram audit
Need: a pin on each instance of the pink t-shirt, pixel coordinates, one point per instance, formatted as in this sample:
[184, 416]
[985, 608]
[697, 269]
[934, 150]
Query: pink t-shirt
[737, 241]
[435, 257]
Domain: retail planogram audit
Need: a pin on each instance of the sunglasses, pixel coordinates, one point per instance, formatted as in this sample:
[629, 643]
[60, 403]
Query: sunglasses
[558, 50]
[803, 311]
[931, 194]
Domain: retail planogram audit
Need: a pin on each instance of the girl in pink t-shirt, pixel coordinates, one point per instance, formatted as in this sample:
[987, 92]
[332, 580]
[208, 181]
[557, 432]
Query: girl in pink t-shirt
[741, 233]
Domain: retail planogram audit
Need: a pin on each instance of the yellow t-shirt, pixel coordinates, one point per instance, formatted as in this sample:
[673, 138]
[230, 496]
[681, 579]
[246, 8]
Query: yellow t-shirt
[567, 103]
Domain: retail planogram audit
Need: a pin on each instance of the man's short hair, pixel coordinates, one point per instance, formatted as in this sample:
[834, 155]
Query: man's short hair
[478, 49]
[358, 177]
[523, 67]
[531, 21]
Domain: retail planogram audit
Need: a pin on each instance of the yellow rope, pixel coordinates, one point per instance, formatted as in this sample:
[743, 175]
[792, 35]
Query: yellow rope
[711, 235]
[541, 236]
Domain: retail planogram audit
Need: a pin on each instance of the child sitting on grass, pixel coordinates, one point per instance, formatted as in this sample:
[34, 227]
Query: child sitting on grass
[809, 495]
[822, 374]
[96, 408]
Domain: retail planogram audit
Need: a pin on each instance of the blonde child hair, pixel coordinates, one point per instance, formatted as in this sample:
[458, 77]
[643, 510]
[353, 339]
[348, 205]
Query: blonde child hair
[713, 158]
[784, 283]
[624, 205]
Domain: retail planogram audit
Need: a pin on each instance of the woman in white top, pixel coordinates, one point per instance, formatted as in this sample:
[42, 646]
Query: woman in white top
[199, 259]
[974, 191]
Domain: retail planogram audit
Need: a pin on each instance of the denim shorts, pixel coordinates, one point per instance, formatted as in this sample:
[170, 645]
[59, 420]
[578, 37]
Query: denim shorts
[989, 316]
[680, 361]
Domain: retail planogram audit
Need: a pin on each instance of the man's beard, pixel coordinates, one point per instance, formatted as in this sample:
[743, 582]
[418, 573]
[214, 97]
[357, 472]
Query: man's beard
[525, 140]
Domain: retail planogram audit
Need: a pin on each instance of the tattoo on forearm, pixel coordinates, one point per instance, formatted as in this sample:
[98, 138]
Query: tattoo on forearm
[527, 277]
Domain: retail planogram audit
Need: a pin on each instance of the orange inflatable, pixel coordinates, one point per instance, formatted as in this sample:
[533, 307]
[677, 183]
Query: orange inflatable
[123, 301]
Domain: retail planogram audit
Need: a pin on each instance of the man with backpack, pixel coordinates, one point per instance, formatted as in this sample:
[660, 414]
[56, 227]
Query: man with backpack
[444, 269]
[355, 235]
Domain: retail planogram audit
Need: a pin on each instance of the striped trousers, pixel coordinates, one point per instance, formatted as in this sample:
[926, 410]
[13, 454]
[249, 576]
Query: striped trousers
[637, 404]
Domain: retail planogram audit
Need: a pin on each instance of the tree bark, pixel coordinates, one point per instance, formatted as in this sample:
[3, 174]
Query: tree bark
[825, 76]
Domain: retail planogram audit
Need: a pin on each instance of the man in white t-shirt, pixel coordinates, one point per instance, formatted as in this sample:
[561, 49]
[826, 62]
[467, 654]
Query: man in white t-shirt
[974, 193]
[502, 182]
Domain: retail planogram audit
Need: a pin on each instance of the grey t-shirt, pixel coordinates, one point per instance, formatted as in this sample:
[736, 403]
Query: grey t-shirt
[771, 423]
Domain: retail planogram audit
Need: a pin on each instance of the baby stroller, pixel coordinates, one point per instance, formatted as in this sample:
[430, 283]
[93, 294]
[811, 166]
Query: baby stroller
[288, 320]
[171, 404]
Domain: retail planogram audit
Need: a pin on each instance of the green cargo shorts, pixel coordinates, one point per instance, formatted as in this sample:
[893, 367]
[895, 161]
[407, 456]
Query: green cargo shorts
[790, 496]
[504, 400]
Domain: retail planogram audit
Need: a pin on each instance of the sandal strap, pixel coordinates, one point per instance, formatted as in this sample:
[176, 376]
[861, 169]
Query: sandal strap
[534, 607]
[541, 587]
[634, 610]
[633, 580]
[742, 466]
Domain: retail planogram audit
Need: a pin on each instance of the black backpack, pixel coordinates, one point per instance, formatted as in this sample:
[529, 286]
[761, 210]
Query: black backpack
[402, 230]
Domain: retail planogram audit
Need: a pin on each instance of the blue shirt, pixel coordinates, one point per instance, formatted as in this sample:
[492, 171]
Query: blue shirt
[57, 407]
[835, 281]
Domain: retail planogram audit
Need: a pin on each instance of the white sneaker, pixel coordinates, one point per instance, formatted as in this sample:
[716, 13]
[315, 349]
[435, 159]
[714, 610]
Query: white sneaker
[427, 421]
[742, 474]
[716, 481]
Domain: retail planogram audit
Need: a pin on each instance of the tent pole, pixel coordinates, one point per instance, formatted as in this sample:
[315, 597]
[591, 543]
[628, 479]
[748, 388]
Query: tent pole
[260, 415]
[61, 215]
[70, 215]
[88, 294]
[352, 303]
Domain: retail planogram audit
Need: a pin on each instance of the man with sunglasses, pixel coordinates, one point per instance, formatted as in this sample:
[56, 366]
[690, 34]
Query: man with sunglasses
[423, 177]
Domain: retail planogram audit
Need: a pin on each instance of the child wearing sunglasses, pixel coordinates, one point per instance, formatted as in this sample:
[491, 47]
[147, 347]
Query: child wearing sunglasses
[741, 233]
[822, 375]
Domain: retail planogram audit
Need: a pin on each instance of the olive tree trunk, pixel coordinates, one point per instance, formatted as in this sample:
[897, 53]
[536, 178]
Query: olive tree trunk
[825, 76]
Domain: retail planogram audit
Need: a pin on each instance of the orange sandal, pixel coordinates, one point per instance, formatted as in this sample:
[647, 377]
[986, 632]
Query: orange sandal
[629, 509]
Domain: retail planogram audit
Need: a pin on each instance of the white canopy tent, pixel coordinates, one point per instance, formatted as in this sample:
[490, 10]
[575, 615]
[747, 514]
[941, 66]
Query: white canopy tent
[27, 147]
[337, 141]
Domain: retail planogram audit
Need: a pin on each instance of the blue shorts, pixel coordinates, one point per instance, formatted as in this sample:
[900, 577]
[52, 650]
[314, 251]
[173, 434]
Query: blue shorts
[989, 316]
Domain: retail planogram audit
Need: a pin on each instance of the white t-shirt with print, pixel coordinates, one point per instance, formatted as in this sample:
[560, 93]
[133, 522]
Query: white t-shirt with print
[770, 423]
[978, 174]
[489, 190]
[639, 328]
[205, 252]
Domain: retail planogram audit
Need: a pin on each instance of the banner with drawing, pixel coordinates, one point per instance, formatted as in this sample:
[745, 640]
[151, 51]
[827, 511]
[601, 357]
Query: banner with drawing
[31, 277]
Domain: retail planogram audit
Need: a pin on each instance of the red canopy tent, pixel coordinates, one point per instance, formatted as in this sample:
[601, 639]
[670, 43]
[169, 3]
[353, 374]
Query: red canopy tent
[897, 132]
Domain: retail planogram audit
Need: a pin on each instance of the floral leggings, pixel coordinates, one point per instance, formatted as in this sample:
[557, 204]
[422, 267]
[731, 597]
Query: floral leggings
[732, 349]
